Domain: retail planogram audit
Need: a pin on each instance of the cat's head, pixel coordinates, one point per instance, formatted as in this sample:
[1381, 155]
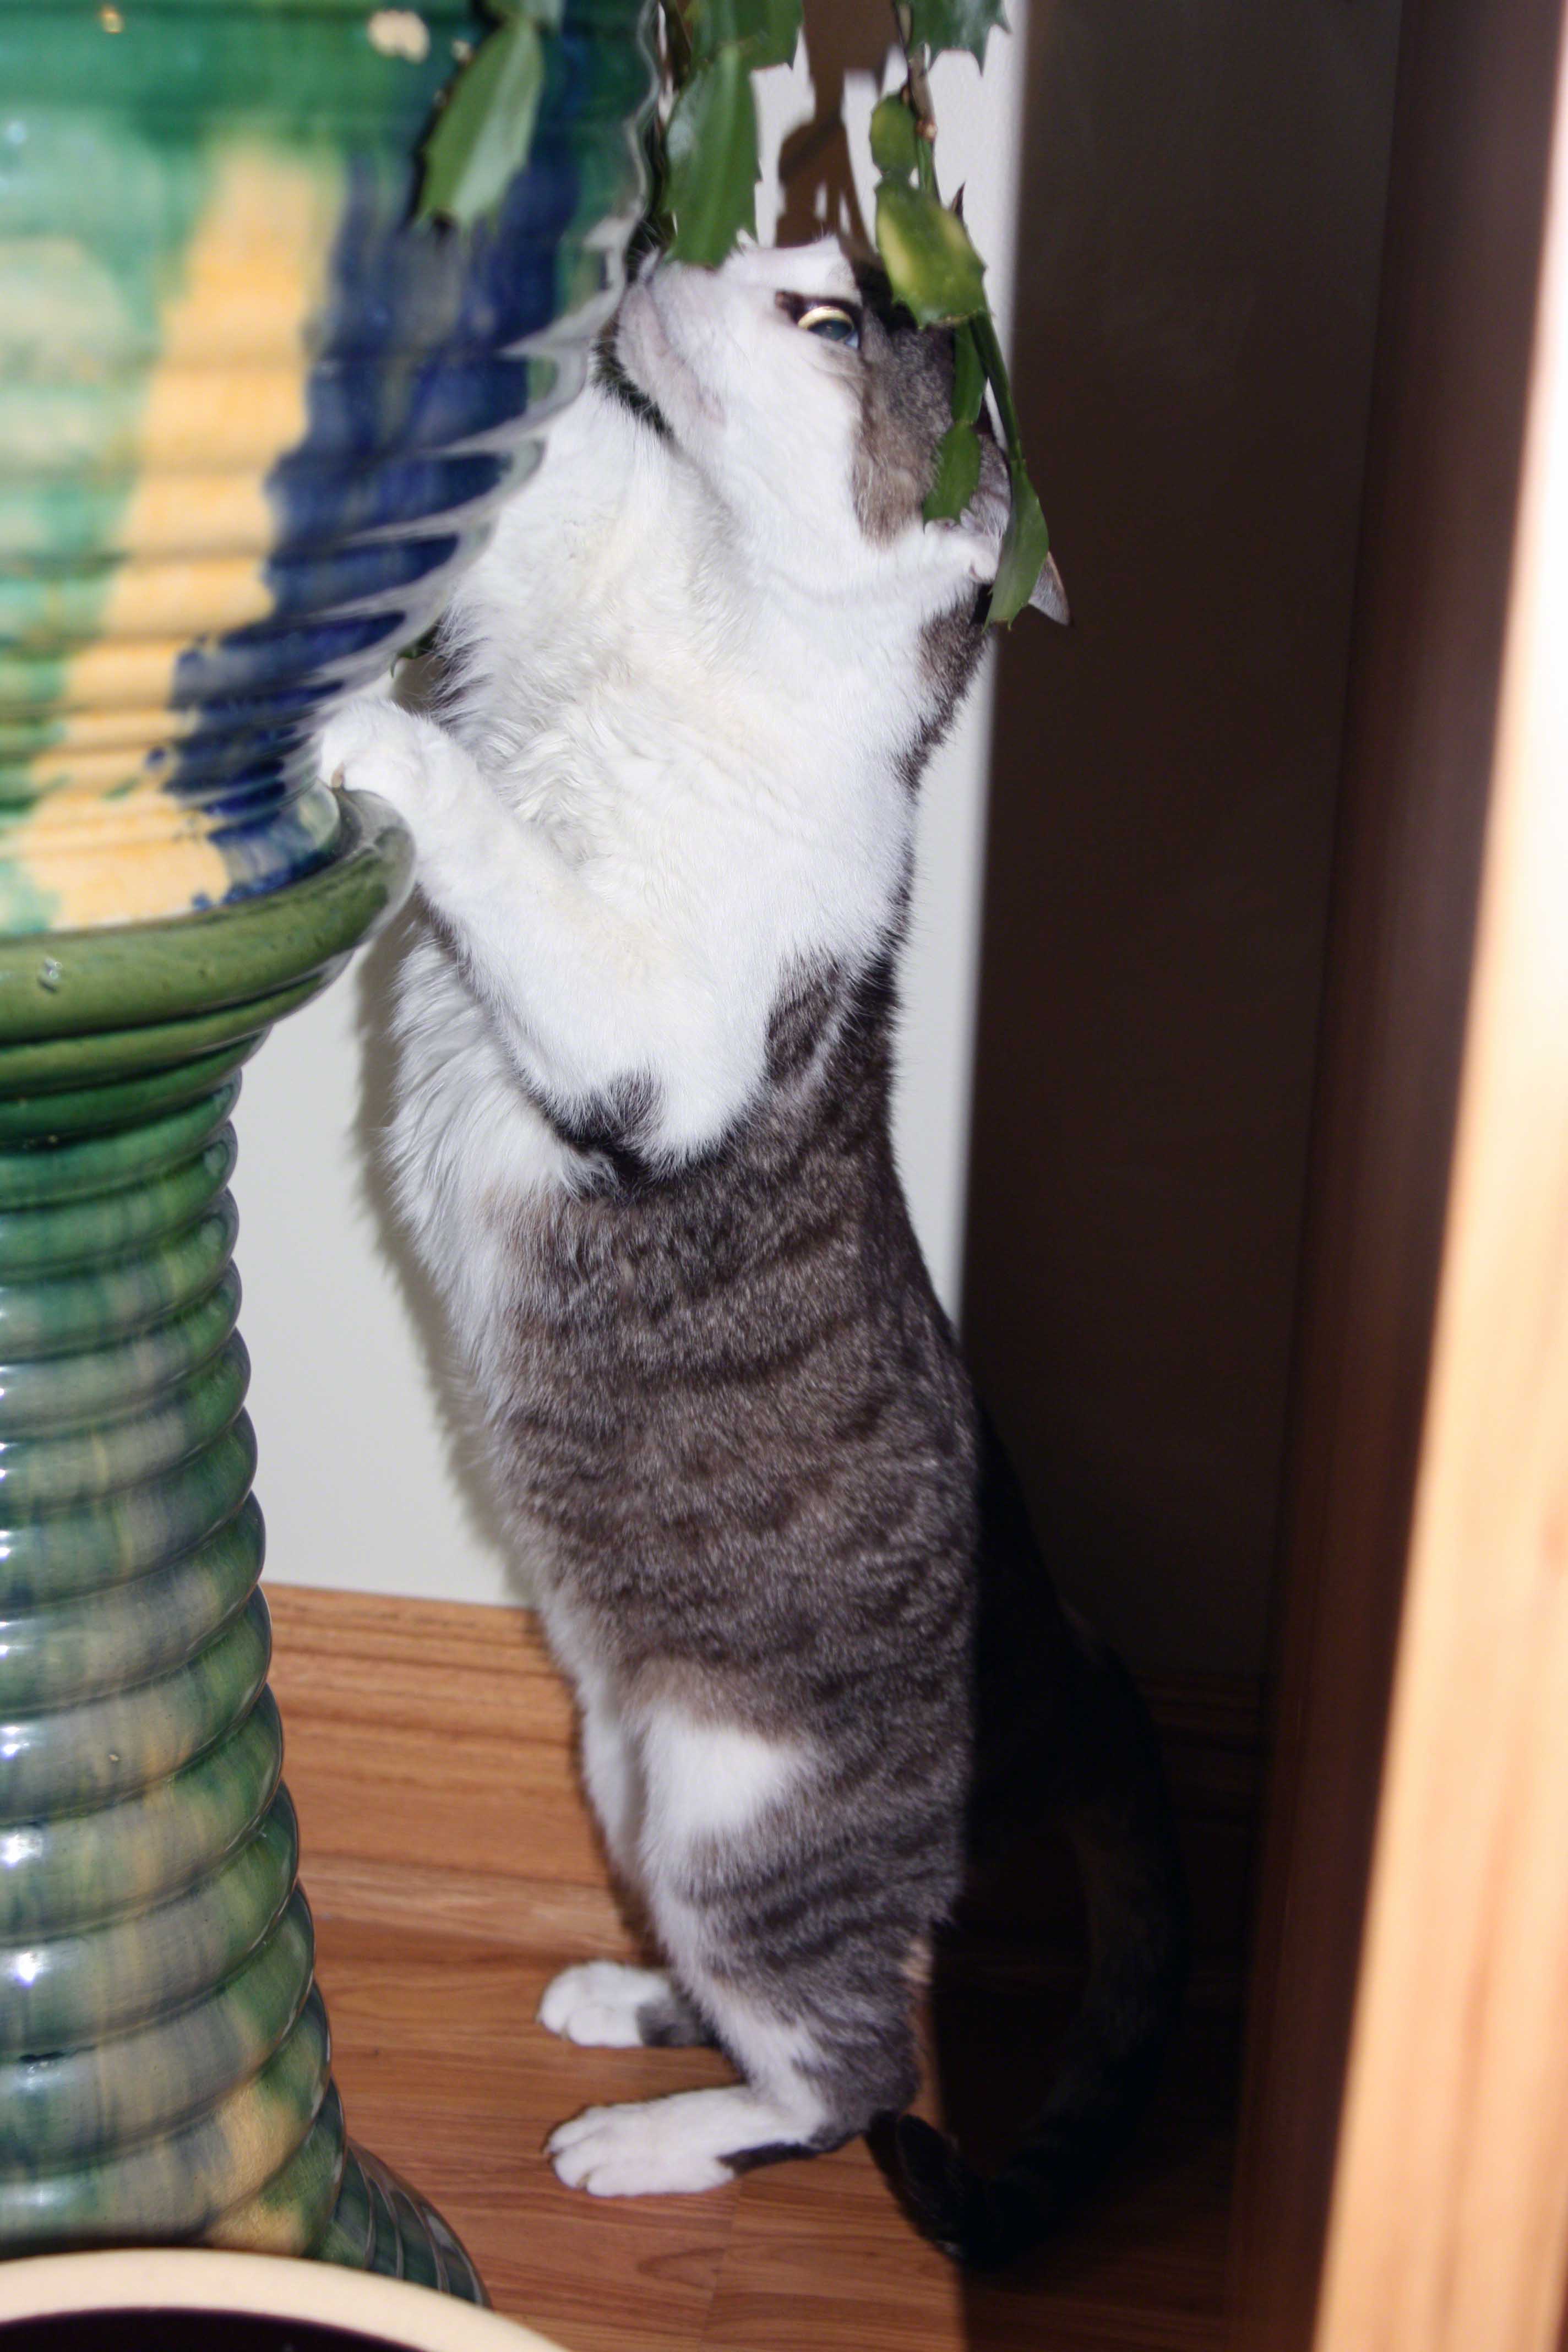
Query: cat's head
[813, 408]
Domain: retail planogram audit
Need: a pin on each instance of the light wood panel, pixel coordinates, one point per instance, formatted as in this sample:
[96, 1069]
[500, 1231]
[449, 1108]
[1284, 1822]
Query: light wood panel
[1449, 2224]
[1455, 334]
[452, 1869]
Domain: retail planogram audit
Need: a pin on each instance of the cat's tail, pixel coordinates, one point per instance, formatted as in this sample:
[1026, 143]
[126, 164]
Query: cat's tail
[1112, 1796]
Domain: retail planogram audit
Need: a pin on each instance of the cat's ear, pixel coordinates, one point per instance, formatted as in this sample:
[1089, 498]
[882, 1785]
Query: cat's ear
[1049, 595]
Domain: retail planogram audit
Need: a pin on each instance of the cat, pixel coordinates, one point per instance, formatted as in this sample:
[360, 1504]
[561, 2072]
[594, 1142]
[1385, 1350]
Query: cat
[663, 813]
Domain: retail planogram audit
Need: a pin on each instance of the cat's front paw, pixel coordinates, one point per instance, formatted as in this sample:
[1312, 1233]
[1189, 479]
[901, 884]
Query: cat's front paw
[659, 2148]
[371, 745]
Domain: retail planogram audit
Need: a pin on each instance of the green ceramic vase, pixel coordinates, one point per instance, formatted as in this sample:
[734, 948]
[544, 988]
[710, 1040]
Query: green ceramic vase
[252, 423]
[164, 2052]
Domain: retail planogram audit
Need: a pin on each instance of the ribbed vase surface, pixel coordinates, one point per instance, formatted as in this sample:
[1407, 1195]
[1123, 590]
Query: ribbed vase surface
[253, 422]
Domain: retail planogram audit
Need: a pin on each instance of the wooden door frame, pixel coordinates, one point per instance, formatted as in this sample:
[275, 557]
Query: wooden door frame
[1423, 1291]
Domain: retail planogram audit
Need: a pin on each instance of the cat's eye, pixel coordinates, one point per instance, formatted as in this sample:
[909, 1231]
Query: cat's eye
[831, 321]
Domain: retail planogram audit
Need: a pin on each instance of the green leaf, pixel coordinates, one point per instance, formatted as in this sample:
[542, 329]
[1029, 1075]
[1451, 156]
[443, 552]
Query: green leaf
[957, 474]
[766, 31]
[968, 376]
[483, 134]
[955, 25]
[711, 150]
[988, 343]
[933, 269]
[895, 142]
[1024, 547]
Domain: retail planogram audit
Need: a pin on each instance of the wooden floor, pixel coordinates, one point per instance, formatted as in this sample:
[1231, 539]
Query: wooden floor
[451, 1870]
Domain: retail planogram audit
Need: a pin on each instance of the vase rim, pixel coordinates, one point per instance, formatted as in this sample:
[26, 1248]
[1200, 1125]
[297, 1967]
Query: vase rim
[191, 2278]
[121, 976]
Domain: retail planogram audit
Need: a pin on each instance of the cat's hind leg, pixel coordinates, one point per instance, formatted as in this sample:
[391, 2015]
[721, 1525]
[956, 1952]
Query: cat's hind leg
[612, 1774]
[795, 1947]
[606, 2004]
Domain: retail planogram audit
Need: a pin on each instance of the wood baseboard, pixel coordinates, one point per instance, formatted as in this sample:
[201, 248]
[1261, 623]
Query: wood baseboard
[371, 1688]
[452, 1869]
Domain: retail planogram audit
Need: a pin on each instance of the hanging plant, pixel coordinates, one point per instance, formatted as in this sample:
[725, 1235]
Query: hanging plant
[707, 168]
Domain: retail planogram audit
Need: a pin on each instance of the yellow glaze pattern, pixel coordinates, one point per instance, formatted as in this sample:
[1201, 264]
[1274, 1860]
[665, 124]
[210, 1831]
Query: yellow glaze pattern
[225, 400]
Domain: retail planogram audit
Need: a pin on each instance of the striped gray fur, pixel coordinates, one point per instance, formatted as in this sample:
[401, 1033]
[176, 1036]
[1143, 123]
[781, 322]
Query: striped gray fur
[732, 1425]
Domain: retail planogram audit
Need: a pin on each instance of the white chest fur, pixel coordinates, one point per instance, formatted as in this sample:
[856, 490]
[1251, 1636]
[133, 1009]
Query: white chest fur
[706, 788]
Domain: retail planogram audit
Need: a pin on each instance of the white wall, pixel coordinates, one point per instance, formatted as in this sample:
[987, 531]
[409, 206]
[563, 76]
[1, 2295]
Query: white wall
[363, 1476]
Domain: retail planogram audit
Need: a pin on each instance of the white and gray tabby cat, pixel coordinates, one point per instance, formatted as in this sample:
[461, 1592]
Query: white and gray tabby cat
[664, 831]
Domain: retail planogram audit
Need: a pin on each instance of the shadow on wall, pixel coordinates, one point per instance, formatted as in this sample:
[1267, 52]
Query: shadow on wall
[374, 981]
[815, 170]
[1198, 281]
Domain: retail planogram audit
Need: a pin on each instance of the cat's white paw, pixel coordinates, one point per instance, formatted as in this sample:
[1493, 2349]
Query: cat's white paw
[371, 745]
[662, 2146]
[599, 2003]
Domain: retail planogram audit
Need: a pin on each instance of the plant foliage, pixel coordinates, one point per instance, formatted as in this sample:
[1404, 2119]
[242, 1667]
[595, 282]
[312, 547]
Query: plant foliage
[708, 184]
[764, 32]
[484, 132]
[711, 160]
[932, 266]
[934, 271]
[708, 158]
[937, 25]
